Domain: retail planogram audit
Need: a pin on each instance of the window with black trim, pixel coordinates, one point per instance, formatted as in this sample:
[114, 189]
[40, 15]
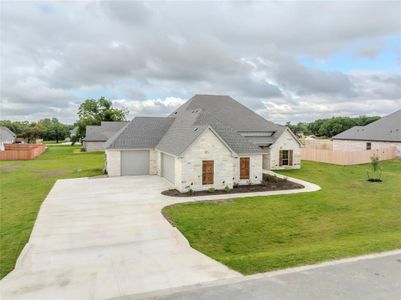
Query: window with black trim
[285, 158]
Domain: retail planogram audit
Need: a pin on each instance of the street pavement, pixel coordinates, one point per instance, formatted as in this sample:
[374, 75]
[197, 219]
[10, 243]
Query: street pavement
[370, 277]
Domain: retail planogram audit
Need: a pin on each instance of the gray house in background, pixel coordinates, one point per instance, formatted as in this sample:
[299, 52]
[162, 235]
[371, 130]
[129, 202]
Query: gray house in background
[6, 137]
[383, 133]
[209, 142]
[97, 135]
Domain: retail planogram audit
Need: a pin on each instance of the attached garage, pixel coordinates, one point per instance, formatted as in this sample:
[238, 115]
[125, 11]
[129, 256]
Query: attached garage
[134, 162]
[168, 167]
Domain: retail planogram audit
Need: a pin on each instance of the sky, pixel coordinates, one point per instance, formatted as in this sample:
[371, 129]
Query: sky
[288, 61]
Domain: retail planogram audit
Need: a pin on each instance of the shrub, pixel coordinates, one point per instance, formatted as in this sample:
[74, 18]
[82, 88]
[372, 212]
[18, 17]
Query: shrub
[226, 189]
[211, 190]
[270, 178]
[190, 192]
[375, 175]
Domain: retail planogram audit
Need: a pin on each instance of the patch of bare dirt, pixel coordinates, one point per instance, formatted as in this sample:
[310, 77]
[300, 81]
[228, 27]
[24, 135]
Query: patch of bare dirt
[9, 168]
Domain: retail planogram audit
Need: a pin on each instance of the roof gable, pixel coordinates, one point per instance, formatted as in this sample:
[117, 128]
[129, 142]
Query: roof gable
[230, 120]
[141, 132]
[102, 132]
[6, 134]
[387, 128]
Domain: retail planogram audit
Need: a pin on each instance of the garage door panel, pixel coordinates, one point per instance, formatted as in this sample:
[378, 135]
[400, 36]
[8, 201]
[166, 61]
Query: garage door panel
[168, 167]
[134, 162]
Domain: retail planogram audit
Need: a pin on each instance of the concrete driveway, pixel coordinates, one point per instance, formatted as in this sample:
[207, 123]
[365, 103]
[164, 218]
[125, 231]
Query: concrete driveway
[103, 238]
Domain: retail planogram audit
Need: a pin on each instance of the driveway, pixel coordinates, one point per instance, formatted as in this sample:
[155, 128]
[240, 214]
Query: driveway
[103, 238]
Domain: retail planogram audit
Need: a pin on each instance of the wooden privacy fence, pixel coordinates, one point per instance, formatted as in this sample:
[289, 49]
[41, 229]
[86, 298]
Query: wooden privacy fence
[21, 151]
[346, 157]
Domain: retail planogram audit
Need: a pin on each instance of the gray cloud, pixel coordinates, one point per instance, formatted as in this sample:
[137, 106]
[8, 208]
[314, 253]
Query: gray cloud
[54, 50]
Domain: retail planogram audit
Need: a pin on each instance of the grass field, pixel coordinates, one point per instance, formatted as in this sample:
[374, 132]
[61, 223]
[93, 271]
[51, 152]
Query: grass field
[23, 187]
[348, 217]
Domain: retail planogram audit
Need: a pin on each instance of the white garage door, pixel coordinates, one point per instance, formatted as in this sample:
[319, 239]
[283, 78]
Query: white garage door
[168, 167]
[134, 162]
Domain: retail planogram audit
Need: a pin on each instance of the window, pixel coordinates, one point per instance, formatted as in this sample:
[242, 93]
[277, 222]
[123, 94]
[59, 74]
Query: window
[207, 172]
[368, 146]
[244, 168]
[285, 158]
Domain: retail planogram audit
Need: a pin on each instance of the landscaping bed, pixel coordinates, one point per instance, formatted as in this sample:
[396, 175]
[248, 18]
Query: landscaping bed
[270, 183]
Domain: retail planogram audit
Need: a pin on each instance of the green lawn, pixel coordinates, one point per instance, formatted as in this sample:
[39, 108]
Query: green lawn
[50, 142]
[348, 217]
[23, 187]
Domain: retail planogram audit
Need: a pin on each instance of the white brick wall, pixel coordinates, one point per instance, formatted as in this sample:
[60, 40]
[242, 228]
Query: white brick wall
[285, 142]
[113, 162]
[207, 147]
[341, 145]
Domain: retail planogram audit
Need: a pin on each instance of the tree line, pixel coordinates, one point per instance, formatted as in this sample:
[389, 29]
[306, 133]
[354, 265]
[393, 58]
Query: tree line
[90, 112]
[331, 126]
[46, 129]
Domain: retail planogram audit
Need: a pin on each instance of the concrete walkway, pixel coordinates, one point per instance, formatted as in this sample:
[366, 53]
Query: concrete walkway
[376, 276]
[106, 237]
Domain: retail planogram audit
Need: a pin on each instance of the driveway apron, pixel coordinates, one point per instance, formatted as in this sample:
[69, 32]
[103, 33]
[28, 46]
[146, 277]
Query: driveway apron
[103, 238]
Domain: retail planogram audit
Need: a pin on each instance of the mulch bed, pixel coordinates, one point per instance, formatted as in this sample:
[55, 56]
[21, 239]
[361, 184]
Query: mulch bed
[276, 185]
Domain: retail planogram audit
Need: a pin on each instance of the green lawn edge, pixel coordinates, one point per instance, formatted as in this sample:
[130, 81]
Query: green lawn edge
[23, 187]
[347, 217]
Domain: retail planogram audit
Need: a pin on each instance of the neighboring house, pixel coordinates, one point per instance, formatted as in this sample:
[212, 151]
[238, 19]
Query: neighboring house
[6, 137]
[208, 142]
[96, 136]
[383, 133]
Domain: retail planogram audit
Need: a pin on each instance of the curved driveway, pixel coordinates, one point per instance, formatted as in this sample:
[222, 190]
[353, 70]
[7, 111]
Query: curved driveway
[106, 237]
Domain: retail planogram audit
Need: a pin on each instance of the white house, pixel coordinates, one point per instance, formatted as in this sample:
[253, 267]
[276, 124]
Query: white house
[6, 137]
[208, 142]
[383, 133]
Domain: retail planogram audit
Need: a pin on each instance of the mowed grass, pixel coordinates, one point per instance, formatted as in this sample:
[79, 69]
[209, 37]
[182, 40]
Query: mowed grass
[349, 216]
[23, 187]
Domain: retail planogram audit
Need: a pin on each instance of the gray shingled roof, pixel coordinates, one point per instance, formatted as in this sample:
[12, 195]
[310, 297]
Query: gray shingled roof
[233, 122]
[6, 134]
[102, 132]
[141, 132]
[385, 129]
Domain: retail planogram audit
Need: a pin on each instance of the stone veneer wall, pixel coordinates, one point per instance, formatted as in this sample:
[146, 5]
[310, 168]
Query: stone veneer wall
[153, 162]
[207, 147]
[255, 169]
[347, 145]
[113, 162]
[285, 142]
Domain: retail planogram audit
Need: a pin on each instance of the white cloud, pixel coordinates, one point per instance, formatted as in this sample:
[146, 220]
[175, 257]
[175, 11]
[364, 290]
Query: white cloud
[176, 49]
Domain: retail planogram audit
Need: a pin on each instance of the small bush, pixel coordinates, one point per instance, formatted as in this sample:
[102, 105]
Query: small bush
[211, 190]
[375, 175]
[226, 189]
[190, 192]
[270, 178]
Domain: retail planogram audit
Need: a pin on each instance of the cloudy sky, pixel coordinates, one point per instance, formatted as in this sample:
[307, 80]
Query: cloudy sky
[289, 61]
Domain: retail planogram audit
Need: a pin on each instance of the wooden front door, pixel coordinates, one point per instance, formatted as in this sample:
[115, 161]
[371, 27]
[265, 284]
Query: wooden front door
[244, 168]
[207, 172]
